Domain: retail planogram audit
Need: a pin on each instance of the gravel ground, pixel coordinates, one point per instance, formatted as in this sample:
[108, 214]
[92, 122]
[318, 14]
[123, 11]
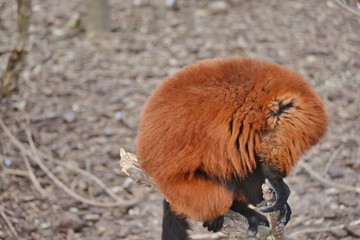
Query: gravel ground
[81, 97]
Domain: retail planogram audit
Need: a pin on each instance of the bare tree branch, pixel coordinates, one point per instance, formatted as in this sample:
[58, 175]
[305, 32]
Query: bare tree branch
[277, 231]
[235, 225]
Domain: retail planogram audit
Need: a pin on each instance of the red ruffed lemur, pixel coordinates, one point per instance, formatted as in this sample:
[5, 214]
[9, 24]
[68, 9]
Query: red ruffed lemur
[212, 133]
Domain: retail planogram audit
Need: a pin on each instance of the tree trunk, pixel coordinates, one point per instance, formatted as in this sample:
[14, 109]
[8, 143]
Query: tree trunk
[9, 79]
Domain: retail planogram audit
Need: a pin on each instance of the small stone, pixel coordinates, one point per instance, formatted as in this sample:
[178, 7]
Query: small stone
[347, 200]
[29, 227]
[69, 116]
[335, 173]
[172, 4]
[340, 233]
[109, 131]
[354, 230]
[123, 232]
[311, 58]
[119, 115]
[44, 225]
[19, 106]
[218, 7]
[91, 217]
[7, 162]
[69, 220]
[74, 210]
[101, 229]
[328, 214]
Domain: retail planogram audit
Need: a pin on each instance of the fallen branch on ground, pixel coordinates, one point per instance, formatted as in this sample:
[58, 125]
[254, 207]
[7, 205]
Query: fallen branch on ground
[235, 225]
[34, 156]
[322, 179]
[325, 229]
[32, 176]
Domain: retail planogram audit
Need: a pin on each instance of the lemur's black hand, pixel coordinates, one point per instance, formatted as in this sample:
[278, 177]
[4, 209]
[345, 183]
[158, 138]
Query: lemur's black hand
[214, 225]
[285, 215]
[281, 189]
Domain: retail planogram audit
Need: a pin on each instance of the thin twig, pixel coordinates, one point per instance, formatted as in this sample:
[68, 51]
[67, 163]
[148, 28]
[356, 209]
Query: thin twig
[32, 176]
[78, 170]
[347, 8]
[332, 158]
[82, 172]
[35, 157]
[16, 172]
[123, 203]
[8, 223]
[326, 181]
[325, 229]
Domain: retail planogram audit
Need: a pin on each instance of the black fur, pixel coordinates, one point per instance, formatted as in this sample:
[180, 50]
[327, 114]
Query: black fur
[250, 186]
[174, 227]
[214, 225]
[254, 218]
[282, 108]
[285, 215]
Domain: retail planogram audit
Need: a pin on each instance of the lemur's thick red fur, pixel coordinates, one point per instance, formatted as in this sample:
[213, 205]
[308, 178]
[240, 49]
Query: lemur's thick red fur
[221, 115]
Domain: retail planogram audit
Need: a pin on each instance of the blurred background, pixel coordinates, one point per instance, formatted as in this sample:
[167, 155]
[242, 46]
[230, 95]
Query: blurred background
[85, 70]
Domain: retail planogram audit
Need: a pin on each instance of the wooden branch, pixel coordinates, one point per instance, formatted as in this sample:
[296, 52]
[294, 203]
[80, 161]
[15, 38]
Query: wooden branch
[277, 231]
[235, 225]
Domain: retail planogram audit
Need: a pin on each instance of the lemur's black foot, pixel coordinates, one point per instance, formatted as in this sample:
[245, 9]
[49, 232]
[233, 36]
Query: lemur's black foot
[285, 212]
[214, 225]
[254, 218]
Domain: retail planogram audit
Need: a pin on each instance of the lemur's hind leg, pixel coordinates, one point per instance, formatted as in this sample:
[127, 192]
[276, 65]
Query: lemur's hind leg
[254, 218]
[214, 225]
[174, 227]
